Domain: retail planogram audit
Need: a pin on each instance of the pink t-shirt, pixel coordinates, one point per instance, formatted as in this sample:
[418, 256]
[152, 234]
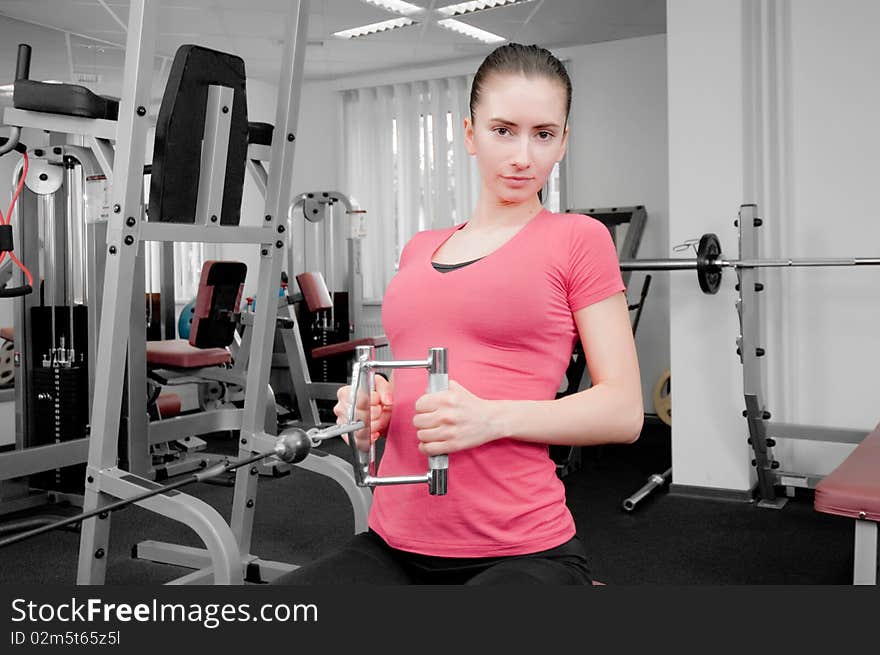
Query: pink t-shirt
[507, 323]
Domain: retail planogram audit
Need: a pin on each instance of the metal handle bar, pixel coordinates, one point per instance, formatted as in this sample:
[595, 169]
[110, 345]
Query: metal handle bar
[362, 381]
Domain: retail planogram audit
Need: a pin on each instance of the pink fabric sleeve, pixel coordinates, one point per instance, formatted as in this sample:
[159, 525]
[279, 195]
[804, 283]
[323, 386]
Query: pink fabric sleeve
[594, 272]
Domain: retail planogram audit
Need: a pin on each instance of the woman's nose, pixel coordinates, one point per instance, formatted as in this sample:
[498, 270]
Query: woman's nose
[522, 155]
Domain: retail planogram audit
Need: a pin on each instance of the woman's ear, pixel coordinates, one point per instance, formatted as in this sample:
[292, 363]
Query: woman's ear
[469, 136]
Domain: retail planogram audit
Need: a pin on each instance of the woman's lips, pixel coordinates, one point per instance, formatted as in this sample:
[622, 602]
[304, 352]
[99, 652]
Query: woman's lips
[516, 181]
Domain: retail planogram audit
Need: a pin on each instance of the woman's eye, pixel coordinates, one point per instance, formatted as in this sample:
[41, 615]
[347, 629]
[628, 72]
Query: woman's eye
[502, 131]
[545, 136]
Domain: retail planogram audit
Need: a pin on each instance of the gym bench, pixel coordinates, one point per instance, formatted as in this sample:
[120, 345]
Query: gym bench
[853, 490]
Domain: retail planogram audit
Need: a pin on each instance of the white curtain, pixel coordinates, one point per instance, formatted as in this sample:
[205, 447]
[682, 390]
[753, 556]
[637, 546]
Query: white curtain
[188, 259]
[406, 165]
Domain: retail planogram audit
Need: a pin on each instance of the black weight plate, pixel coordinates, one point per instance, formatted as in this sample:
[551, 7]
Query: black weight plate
[708, 272]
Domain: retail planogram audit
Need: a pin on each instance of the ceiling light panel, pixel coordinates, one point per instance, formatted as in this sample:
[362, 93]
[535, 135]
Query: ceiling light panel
[463, 8]
[471, 31]
[375, 28]
[397, 7]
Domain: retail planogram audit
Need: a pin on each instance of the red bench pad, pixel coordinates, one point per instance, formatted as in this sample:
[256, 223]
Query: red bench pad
[314, 291]
[348, 346]
[178, 353]
[853, 487]
[168, 404]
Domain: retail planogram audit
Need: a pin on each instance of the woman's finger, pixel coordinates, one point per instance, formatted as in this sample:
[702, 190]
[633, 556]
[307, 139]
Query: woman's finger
[431, 435]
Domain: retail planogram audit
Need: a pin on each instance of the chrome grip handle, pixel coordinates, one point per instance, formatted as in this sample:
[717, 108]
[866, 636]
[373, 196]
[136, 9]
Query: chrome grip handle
[363, 381]
[438, 380]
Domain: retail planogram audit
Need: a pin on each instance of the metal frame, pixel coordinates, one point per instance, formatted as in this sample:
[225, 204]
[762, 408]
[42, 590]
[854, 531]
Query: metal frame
[118, 291]
[314, 206]
[306, 391]
[255, 348]
[227, 553]
[98, 128]
[709, 263]
[218, 118]
[292, 360]
[123, 276]
[225, 418]
[865, 553]
[47, 206]
[762, 433]
[121, 290]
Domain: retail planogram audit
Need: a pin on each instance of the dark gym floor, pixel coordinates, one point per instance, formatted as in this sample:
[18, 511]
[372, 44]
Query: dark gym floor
[667, 540]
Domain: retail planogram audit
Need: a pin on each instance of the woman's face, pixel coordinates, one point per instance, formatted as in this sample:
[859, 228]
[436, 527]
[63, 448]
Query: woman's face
[518, 134]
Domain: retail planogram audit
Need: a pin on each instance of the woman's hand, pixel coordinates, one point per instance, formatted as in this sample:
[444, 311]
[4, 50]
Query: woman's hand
[453, 420]
[380, 406]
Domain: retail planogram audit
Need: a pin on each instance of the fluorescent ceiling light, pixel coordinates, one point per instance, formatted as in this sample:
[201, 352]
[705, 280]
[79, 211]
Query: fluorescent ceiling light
[397, 6]
[375, 28]
[409, 12]
[470, 30]
[474, 6]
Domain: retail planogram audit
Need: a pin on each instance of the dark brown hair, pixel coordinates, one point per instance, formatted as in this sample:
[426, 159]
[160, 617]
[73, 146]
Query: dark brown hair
[528, 60]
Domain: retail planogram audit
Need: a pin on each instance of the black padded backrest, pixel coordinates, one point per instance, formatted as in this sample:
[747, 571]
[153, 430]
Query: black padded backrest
[260, 133]
[67, 99]
[180, 128]
[218, 304]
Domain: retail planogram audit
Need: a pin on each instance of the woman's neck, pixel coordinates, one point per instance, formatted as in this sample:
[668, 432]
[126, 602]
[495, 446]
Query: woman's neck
[491, 214]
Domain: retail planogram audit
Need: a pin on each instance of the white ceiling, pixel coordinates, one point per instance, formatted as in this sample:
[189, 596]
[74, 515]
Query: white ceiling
[254, 29]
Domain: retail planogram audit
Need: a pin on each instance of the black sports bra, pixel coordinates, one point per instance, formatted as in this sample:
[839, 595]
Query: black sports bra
[445, 268]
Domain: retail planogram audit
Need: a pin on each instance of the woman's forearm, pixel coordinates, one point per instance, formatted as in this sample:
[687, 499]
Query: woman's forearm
[601, 414]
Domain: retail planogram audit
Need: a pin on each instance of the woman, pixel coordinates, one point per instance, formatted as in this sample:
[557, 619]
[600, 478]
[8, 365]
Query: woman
[507, 293]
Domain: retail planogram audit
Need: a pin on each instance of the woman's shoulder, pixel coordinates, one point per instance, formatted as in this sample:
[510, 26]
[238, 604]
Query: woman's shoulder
[576, 227]
[573, 221]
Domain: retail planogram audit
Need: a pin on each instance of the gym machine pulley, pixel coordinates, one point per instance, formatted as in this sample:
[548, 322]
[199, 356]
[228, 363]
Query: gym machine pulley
[710, 265]
[291, 447]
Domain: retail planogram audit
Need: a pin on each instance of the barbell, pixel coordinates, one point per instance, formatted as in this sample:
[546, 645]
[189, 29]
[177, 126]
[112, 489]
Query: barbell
[709, 264]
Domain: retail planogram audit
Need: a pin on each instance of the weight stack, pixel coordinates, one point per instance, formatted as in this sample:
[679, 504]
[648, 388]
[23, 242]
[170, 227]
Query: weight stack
[62, 414]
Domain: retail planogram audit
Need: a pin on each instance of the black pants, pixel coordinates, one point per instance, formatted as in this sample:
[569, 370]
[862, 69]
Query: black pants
[367, 559]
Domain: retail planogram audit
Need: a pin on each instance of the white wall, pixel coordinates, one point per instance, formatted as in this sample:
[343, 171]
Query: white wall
[774, 103]
[709, 444]
[617, 156]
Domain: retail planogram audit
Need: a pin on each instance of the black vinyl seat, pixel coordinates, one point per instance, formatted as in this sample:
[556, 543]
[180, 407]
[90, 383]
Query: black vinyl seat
[260, 133]
[67, 99]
